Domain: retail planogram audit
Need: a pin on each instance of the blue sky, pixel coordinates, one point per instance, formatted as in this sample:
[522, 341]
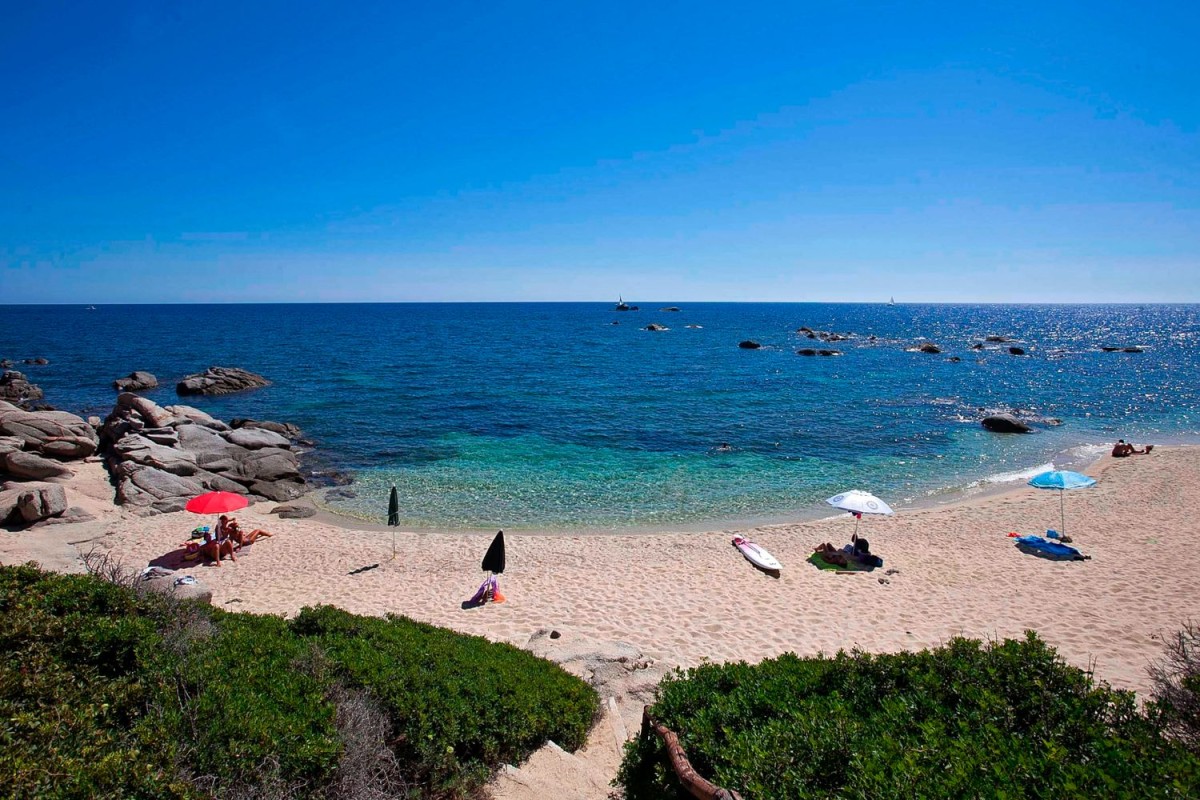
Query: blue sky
[201, 152]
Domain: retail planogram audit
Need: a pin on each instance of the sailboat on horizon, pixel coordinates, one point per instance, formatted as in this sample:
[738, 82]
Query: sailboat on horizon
[891, 301]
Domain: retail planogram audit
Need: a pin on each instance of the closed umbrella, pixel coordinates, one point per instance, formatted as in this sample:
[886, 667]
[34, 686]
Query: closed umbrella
[1062, 480]
[858, 502]
[393, 516]
[493, 559]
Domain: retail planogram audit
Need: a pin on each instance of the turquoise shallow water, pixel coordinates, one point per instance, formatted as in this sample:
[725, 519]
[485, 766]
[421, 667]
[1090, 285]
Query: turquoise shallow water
[548, 416]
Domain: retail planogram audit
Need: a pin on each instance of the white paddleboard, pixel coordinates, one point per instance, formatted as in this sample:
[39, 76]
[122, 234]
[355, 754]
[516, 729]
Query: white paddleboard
[757, 555]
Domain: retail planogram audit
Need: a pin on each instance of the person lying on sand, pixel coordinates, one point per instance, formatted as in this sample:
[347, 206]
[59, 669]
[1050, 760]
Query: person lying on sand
[243, 539]
[831, 554]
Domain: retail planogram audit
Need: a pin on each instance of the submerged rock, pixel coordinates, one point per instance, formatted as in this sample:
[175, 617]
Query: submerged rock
[654, 326]
[749, 345]
[929, 347]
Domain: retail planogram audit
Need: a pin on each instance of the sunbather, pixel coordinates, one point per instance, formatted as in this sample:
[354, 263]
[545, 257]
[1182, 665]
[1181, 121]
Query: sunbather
[831, 554]
[244, 539]
[1122, 449]
[215, 546]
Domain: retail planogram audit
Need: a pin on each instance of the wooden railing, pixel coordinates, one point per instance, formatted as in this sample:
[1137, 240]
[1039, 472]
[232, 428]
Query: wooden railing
[696, 786]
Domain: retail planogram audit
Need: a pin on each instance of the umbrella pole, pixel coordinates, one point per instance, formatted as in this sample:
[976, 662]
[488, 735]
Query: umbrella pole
[857, 519]
[393, 543]
[1062, 514]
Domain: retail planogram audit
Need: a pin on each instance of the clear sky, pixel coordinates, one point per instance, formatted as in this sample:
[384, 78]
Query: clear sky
[206, 151]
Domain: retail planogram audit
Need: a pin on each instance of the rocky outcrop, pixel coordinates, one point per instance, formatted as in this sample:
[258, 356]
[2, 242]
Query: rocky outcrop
[929, 347]
[256, 438]
[56, 434]
[32, 467]
[998, 339]
[282, 428]
[220, 380]
[654, 326]
[14, 388]
[1005, 423]
[294, 511]
[163, 457]
[1016, 351]
[136, 382]
[175, 584]
[69, 517]
[749, 345]
[37, 501]
[200, 418]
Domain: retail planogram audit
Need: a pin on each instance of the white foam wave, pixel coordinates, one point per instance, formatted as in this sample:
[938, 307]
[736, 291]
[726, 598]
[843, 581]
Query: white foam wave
[1016, 476]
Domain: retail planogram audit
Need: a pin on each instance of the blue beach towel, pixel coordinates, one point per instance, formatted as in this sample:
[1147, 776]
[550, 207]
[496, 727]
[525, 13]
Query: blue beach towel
[1045, 548]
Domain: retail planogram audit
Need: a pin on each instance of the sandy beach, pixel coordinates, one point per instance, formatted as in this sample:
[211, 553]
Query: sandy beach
[683, 598]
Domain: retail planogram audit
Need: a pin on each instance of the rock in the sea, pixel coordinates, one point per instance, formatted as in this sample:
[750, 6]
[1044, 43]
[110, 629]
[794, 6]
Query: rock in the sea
[220, 380]
[954, 359]
[39, 361]
[136, 381]
[38, 501]
[1005, 423]
[32, 467]
[294, 511]
[14, 388]
[749, 345]
[670, 308]
[995, 338]
[52, 433]
[654, 326]
[829, 352]
[806, 351]
[929, 347]
[977, 346]
[1017, 351]
[6, 363]
[256, 438]
[1132, 350]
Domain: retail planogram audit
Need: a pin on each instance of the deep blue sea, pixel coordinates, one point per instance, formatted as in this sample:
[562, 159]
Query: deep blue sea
[549, 416]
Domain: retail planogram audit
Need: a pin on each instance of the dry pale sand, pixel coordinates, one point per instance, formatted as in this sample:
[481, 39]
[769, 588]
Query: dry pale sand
[683, 598]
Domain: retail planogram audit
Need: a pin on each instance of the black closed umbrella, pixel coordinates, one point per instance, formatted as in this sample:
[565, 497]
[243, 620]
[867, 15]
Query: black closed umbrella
[393, 516]
[493, 560]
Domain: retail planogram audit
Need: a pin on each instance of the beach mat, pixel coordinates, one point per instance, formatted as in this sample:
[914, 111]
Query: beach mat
[853, 566]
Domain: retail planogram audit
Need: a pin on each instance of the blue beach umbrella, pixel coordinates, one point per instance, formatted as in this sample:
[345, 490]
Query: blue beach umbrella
[1062, 480]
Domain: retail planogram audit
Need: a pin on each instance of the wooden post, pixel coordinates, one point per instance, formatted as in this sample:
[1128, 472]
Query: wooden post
[695, 785]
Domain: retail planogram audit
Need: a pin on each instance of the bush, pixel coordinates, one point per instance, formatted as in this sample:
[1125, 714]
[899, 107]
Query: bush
[109, 692]
[1177, 686]
[1007, 719]
[459, 705]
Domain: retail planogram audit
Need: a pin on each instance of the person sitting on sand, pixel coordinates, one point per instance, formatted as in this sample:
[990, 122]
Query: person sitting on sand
[217, 543]
[1122, 449]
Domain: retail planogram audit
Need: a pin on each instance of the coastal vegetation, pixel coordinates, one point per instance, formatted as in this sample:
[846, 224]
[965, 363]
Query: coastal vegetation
[106, 691]
[969, 719]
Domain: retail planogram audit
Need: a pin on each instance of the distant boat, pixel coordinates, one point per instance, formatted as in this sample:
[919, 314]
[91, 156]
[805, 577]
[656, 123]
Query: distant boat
[90, 308]
[892, 301]
[622, 306]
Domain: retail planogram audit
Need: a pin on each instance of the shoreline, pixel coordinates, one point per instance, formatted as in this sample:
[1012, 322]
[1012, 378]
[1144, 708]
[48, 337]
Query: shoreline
[980, 489]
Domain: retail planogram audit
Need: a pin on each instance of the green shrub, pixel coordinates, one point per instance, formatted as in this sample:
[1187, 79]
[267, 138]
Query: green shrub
[1007, 719]
[108, 692]
[459, 705]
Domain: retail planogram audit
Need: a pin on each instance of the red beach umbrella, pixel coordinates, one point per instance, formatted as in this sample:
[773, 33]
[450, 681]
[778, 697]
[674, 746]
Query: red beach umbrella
[216, 503]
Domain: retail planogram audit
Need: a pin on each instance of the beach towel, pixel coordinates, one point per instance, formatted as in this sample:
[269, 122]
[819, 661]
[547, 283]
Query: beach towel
[1046, 548]
[851, 565]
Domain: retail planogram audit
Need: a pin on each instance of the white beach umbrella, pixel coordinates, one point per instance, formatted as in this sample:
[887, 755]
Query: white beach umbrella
[858, 502]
